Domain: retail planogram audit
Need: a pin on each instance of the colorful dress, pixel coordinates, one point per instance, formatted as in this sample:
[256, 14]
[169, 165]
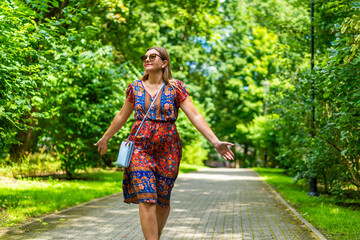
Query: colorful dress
[155, 161]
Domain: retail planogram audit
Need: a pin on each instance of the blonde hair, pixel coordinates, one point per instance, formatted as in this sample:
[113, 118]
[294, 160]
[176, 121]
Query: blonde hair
[166, 71]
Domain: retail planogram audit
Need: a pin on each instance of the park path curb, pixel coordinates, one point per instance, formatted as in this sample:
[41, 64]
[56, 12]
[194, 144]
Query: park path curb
[297, 214]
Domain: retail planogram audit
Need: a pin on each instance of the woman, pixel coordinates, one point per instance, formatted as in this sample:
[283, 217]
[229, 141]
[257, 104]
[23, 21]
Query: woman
[155, 161]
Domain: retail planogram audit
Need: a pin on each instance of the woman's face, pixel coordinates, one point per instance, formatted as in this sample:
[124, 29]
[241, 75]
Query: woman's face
[153, 61]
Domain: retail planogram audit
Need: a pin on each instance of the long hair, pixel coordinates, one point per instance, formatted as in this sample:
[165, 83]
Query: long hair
[166, 71]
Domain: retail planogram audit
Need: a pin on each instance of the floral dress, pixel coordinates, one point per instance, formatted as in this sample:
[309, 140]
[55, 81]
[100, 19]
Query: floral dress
[157, 153]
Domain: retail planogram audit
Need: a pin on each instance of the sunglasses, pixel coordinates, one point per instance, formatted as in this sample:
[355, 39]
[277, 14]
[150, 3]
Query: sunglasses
[152, 57]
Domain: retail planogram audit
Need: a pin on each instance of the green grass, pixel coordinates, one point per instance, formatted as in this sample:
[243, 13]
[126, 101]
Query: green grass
[23, 199]
[185, 168]
[27, 198]
[335, 218]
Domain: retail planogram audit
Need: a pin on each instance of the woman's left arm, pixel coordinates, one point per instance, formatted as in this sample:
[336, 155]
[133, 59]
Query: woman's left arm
[200, 123]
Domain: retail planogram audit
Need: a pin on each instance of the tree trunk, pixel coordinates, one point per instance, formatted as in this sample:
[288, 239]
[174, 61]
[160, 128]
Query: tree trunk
[24, 137]
[246, 149]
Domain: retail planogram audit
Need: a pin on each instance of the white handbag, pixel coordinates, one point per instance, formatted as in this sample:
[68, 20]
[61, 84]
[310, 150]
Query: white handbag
[125, 152]
[127, 147]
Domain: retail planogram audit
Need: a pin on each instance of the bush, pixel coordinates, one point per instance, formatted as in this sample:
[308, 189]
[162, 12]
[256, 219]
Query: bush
[31, 164]
[194, 154]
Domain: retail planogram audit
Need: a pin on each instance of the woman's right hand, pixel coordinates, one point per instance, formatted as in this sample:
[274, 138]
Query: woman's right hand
[102, 146]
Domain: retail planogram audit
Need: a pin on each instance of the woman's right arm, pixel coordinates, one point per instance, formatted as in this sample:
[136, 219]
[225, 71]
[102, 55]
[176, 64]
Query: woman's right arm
[119, 121]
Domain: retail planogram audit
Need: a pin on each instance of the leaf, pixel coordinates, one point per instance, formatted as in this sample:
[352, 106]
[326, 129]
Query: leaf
[55, 3]
[72, 38]
[343, 29]
[344, 151]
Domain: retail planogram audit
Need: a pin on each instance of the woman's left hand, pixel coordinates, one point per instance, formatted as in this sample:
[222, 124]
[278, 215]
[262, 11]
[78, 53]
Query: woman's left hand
[224, 150]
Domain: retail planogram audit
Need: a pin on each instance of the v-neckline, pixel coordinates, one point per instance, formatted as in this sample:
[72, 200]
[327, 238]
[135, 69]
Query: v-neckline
[147, 91]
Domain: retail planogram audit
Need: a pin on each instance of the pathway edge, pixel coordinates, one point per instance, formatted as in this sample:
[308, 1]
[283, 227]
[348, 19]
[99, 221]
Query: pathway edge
[308, 224]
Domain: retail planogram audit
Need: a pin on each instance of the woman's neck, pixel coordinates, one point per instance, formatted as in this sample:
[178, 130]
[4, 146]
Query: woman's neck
[155, 78]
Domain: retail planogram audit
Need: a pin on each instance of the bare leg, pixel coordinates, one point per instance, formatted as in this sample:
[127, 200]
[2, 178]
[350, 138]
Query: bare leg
[148, 220]
[162, 214]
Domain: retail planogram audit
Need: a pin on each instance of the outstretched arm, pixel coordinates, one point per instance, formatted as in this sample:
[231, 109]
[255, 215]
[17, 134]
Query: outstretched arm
[119, 121]
[200, 123]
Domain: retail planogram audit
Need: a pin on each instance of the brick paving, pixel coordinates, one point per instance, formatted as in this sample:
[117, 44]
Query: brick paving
[209, 204]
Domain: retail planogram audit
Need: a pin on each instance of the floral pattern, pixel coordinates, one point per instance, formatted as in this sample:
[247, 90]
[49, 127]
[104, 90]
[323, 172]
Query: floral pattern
[167, 103]
[157, 153]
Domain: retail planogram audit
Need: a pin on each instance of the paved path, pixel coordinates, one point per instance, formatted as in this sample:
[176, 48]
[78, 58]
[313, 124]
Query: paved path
[211, 204]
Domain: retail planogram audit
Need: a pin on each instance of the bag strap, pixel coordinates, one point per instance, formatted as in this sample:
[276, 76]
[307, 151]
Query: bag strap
[148, 110]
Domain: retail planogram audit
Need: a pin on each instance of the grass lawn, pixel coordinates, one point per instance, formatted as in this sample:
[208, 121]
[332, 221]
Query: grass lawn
[185, 168]
[21, 199]
[335, 218]
[25, 199]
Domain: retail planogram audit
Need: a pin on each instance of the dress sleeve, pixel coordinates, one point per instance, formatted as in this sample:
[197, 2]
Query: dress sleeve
[130, 93]
[181, 92]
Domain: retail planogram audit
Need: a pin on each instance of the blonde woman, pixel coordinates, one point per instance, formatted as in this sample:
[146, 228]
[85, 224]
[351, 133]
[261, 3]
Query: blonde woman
[154, 165]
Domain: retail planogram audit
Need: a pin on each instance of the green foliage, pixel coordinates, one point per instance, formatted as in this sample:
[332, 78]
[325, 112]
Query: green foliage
[332, 155]
[19, 71]
[195, 154]
[339, 115]
[263, 134]
[79, 71]
[195, 146]
[90, 91]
